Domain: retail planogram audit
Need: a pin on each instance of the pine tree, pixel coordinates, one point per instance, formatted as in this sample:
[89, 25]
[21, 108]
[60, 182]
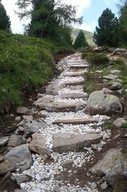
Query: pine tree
[49, 19]
[80, 41]
[108, 32]
[123, 22]
[4, 19]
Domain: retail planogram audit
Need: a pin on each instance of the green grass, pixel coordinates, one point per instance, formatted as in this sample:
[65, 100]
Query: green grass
[23, 62]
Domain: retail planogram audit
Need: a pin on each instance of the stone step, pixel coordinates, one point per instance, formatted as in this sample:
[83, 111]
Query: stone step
[61, 106]
[73, 82]
[79, 66]
[76, 121]
[64, 142]
[73, 95]
[74, 73]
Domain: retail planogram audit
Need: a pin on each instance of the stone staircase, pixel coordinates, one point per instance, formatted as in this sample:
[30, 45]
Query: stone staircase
[70, 133]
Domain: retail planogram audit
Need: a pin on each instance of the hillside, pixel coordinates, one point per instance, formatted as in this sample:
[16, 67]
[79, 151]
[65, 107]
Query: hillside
[88, 35]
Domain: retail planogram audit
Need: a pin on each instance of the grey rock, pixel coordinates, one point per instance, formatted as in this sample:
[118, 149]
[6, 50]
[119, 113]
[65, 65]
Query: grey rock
[18, 119]
[3, 141]
[56, 189]
[116, 86]
[70, 142]
[93, 185]
[28, 118]
[33, 127]
[52, 88]
[110, 77]
[22, 178]
[38, 144]
[1, 158]
[119, 122]
[22, 110]
[104, 186]
[104, 104]
[7, 166]
[115, 71]
[19, 157]
[120, 51]
[107, 91]
[20, 129]
[114, 162]
[15, 140]
[44, 99]
[20, 190]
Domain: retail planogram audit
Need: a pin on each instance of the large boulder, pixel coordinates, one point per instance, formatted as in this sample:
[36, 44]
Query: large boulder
[18, 157]
[103, 103]
[113, 162]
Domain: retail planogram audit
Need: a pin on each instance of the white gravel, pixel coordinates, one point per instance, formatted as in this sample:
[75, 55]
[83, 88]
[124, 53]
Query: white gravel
[43, 174]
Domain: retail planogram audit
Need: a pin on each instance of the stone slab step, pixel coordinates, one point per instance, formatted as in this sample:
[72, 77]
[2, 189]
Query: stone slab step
[76, 121]
[73, 95]
[74, 74]
[79, 66]
[64, 142]
[73, 82]
[61, 106]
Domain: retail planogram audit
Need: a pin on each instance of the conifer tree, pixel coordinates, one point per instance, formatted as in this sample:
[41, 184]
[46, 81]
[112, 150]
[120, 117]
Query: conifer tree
[123, 22]
[5, 23]
[49, 19]
[108, 30]
[80, 41]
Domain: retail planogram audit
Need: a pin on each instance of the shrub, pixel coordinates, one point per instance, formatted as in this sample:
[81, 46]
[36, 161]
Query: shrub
[97, 59]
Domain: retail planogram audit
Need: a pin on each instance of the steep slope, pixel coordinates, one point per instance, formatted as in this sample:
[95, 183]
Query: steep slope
[88, 35]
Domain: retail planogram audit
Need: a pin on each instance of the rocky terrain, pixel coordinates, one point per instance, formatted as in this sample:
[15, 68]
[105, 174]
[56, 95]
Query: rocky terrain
[64, 142]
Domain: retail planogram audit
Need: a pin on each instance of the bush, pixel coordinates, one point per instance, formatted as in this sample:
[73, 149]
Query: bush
[86, 52]
[97, 59]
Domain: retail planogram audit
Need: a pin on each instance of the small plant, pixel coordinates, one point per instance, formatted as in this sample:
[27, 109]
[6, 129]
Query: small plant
[124, 125]
[108, 124]
[119, 64]
[97, 59]
[93, 81]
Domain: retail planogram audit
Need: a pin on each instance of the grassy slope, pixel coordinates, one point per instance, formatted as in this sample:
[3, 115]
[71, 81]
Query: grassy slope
[88, 35]
[23, 61]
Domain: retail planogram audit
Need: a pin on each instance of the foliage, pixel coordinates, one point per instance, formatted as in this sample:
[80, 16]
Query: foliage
[123, 22]
[4, 19]
[97, 59]
[49, 19]
[108, 32]
[86, 52]
[80, 41]
[124, 125]
[23, 61]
